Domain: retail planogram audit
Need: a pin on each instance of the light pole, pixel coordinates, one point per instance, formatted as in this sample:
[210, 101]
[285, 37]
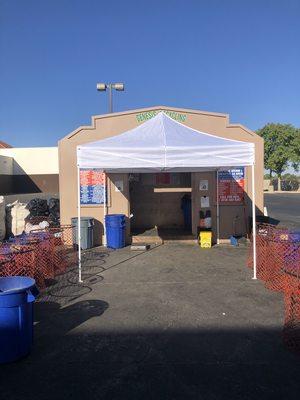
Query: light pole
[101, 87]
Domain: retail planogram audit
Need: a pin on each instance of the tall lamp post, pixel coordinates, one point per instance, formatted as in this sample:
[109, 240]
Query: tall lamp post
[101, 87]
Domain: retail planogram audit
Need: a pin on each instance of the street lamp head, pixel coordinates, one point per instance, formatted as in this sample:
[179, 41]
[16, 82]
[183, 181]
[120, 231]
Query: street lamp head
[110, 86]
[101, 87]
[118, 86]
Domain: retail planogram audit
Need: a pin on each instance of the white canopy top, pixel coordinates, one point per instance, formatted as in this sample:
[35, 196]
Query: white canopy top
[162, 144]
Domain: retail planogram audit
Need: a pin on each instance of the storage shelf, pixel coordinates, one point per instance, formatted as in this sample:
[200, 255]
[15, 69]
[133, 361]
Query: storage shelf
[172, 190]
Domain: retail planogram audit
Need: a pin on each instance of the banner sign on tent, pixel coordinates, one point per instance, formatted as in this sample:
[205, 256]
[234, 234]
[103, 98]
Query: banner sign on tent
[231, 185]
[91, 186]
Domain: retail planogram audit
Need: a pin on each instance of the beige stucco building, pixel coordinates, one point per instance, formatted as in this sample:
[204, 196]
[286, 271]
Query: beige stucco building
[28, 170]
[152, 201]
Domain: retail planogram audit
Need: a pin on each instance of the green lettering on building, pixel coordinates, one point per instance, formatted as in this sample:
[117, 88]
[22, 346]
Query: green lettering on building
[142, 117]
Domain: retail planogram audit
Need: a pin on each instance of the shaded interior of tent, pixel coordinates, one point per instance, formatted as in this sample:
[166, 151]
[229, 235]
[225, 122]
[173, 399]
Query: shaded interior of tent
[170, 205]
[162, 202]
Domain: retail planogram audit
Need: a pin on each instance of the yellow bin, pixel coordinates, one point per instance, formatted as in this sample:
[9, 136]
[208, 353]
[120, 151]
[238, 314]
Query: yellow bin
[205, 239]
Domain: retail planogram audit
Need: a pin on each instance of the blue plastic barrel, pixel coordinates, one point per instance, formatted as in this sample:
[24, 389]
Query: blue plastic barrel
[115, 226]
[17, 295]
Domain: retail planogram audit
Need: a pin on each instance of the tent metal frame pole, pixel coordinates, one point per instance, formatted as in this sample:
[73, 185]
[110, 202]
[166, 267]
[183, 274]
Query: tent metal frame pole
[253, 221]
[79, 225]
[218, 210]
[104, 210]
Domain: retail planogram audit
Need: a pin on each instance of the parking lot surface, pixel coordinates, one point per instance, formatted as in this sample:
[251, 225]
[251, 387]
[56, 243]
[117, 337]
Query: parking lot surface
[285, 208]
[176, 322]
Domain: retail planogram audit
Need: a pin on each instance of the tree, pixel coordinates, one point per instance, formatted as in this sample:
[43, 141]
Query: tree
[282, 146]
[295, 159]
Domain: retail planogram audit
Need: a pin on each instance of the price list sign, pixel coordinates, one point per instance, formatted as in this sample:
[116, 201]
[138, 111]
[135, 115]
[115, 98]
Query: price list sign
[91, 187]
[231, 185]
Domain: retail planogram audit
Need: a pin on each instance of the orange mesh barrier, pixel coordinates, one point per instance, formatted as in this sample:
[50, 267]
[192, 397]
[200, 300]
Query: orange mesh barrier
[278, 265]
[291, 330]
[65, 252]
[21, 261]
[278, 246]
[7, 266]
[40, 254]
[263, 251]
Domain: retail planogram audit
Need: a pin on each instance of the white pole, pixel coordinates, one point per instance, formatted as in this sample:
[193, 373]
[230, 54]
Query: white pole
[253, 222]
[104, 211]
[79, 225]
[218, 210]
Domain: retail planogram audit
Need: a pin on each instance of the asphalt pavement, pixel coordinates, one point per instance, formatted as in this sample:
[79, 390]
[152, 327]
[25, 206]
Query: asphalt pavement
[284, 207]
[174, 323]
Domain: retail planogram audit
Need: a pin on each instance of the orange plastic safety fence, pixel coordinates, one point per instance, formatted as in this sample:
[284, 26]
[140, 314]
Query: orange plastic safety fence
[278, 265]
[278, 246]
[65, 251]
[291, 330]
[263, 250]
[21, 261]
[40, 254]
[7, 265]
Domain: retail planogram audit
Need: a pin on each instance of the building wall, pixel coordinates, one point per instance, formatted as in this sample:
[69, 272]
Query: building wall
[114, 124]
[6, 164]
[29, 170]
[33, 160]
[6, 174]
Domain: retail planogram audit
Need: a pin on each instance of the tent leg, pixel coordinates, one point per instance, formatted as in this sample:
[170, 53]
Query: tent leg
[79, 226]
[218, 210]
[253, 222]
[104, 210]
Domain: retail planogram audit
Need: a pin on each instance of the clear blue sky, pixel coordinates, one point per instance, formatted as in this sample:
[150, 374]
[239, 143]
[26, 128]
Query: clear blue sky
[240, 57]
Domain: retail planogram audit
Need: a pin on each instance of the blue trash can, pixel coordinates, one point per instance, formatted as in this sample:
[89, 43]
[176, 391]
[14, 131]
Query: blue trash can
[115, 226]
[17, 295]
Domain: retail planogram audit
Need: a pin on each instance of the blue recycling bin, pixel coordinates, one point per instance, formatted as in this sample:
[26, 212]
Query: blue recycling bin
[115, 226]
[17, 296]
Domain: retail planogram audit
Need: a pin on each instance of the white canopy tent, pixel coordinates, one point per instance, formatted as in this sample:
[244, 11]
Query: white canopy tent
[162, 144]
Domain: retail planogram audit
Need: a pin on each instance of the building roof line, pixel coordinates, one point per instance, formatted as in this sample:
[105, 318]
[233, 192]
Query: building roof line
[141, 110]
[94, 118]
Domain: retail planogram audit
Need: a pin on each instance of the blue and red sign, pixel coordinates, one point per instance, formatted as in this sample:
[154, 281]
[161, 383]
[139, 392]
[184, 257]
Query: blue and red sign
[92, 186]
[231, 185]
